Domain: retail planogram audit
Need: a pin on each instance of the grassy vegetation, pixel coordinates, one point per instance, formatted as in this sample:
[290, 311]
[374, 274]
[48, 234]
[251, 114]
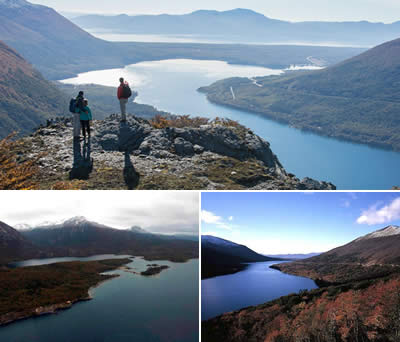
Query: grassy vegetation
[23, 290]
[16, 174]
[182, 121]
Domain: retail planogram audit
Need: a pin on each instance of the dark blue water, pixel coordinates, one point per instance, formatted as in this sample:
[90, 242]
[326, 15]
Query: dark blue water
[257, 284]
[172, 86]
[128, 308]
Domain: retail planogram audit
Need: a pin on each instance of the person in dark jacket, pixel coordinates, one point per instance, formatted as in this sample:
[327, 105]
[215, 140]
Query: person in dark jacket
[122, 100]
[85, 118]
[78, 108]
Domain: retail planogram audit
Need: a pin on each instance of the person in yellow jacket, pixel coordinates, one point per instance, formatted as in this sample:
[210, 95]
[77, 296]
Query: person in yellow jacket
[85, 117]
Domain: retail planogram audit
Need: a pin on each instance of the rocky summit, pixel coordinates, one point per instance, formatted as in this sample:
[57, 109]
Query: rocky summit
[135, 155]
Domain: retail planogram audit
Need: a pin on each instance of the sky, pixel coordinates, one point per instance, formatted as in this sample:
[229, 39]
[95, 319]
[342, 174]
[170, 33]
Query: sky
[292, 10]
[168, 212]
[291, 223]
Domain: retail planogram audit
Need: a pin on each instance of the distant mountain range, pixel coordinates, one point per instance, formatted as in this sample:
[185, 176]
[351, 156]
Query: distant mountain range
[60, 49]
[244, 25]
[357, 99]
[80, 237]
[219, 257]
[26, 98]
[293, 256]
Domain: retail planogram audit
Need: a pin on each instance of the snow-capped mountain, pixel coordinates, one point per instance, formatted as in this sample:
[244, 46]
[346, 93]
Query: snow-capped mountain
[379, 247]
[139, 230]
[387, 231]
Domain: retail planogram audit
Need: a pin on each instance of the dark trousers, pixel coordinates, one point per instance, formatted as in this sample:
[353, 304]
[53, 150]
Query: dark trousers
[85, 124]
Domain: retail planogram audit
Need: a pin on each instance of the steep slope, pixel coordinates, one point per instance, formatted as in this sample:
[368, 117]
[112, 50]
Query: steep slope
[47, 39]
[13, 246]
[176, 153]
[373, 255]
[26, 98]
[243, 24]
[219, 256]
[80, 237]
[357, 100]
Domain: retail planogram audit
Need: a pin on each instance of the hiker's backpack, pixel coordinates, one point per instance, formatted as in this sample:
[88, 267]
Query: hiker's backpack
[72, 105]
[126, 91]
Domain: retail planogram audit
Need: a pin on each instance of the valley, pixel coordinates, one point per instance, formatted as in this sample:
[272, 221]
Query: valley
[300, 152]
[281, 98]
[51, 267]
[358, 298]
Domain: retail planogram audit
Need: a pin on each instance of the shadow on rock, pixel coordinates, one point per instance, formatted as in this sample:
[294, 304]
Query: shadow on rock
[131, 176]
[83, 163]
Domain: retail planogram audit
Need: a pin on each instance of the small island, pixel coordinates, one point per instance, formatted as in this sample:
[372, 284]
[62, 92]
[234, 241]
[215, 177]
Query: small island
[38, 290]
[153, 270]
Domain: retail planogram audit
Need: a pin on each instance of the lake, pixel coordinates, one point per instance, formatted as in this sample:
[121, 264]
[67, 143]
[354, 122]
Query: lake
[131, 307]
[257, 284]
[171, 85]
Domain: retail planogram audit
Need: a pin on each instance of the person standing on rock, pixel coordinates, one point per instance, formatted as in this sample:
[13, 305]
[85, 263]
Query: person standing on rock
[124, 93]
[85, 117]
[79, 105]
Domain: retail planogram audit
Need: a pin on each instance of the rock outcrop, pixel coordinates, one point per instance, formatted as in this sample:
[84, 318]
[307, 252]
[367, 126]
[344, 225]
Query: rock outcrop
[135, 155]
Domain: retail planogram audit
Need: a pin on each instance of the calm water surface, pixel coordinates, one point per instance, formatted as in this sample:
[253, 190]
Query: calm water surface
[128, 308]
[255, 285]
[171, 85]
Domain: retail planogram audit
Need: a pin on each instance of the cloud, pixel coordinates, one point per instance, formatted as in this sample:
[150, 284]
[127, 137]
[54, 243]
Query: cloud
[211, 218]
[156, 211]
[385, 214]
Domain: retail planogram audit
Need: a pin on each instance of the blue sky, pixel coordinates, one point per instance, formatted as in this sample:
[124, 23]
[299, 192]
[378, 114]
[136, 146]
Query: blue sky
[293, 10]
[274, 223]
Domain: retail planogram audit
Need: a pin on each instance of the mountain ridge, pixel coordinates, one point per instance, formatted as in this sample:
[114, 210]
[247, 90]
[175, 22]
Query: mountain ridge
[222, 257]
[355, 100]
[77, 237]
[142, 154]
[246, 24]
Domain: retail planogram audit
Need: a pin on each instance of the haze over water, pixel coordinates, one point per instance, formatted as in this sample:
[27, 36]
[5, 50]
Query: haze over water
[171, 85]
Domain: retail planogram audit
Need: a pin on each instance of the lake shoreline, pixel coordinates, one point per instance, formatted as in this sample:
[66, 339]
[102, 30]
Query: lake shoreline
[306, 129]
[223, 283]
[51, 309]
